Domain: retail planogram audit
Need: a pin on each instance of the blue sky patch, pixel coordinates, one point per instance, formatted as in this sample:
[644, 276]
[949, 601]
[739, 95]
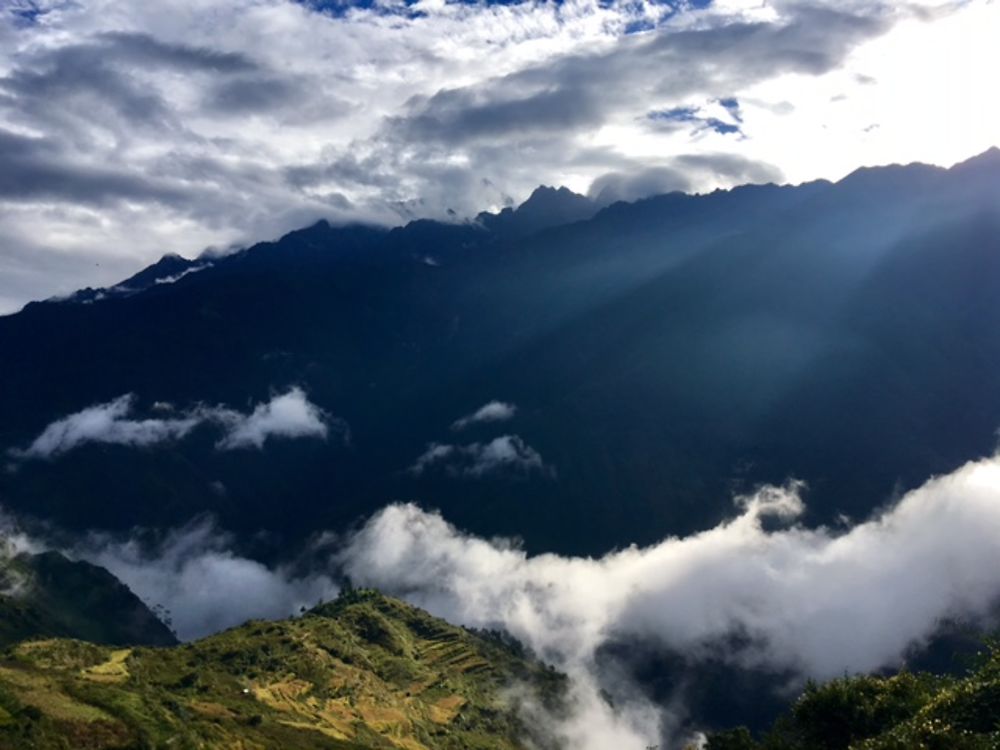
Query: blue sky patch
[700, 121]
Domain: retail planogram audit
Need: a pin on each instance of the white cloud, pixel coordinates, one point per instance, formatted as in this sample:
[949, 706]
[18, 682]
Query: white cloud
[128, 128]
[193, 574]
[13, 542]
[289, 415]
[506, 455]
[494, 411]
[105, 423]
[173, 278]
[814, 601]
[206, 587]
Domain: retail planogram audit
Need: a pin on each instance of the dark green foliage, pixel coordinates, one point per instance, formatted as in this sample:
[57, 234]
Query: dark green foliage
[903, 712]
[733, 739]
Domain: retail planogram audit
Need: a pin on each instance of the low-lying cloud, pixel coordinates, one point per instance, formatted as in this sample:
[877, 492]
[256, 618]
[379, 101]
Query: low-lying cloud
[494, 411]
[108, 423]
[815, 602]
[507, 455]
[174, 278]
[288, 415]
[811, 602]
[13, 542]
[194, 574]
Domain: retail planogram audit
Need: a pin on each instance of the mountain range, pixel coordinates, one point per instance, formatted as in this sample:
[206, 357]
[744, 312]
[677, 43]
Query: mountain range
[581, 379]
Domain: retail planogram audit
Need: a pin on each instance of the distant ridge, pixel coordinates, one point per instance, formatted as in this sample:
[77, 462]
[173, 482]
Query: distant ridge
[661, 355]
[52, 596]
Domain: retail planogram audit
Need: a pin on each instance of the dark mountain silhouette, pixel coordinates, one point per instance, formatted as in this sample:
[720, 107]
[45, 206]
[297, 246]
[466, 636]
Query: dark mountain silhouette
[662, 355]
[546, 207]
[48, 595]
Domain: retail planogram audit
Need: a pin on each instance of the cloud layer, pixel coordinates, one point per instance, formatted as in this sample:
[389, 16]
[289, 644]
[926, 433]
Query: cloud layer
[816, 602]
[289, 415]
[130, 128]
[808, 602]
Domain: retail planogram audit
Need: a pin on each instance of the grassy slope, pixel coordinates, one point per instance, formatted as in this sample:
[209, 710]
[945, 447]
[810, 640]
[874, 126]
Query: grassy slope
[365, 671]
[903, 712]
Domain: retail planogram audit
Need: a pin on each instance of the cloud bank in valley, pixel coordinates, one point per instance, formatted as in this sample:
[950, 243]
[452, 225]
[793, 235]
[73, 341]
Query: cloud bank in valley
[130, 128]
[816, 602]
[194, 574]
[288, 415]
[813, 600]
[810, 602]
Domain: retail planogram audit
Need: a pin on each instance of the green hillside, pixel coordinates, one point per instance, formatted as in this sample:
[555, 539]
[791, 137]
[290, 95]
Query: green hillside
[365, 671]
[47, 594]
[908, 711]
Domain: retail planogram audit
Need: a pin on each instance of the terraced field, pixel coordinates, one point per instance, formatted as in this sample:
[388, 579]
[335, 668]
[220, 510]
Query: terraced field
[365, 671]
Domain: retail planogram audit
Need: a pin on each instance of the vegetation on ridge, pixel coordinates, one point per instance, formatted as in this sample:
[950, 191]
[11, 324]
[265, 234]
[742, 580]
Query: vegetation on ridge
[907, 711]
[366, 671]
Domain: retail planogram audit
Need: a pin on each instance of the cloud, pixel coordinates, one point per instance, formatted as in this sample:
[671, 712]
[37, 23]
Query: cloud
[684, 173]
[633, 185]
[289, 415]
[507, 455]
[37, 168]
[814, 601]
[128, 129]
[105, 423]
[13, 542]
[173, 278]
[811, 602]
[494, 411]
[194, 574]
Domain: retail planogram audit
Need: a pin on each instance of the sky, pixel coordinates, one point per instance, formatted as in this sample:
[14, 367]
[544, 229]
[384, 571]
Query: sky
[133, 129]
